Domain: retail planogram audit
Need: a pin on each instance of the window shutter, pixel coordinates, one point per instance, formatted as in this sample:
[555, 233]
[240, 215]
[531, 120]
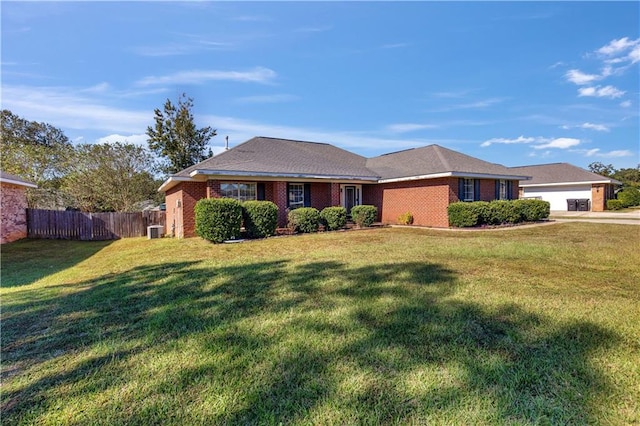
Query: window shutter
[461, 189]
[307, 195]
[476, 190]
[260, 191]
[497, 196]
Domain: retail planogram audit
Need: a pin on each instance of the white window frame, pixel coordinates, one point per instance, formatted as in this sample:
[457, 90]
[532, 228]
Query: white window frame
[502, 194]
[299, 196]
[468, 190]
[237, 193]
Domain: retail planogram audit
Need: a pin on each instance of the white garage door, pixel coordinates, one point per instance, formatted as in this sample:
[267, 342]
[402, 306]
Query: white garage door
[557, 196]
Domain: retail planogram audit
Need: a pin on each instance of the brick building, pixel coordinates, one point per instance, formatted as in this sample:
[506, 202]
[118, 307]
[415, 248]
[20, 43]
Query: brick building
[422, 181]
[13, 207]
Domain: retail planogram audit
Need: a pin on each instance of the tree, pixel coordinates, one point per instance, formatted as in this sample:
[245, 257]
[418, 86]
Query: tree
[38, 152]
[602, 170]
[111, 177]
[628, 177]
[176, 138]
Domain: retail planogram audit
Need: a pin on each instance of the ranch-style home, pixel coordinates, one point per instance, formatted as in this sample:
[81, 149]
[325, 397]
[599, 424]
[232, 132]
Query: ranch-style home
[567, 187]
[292, 174]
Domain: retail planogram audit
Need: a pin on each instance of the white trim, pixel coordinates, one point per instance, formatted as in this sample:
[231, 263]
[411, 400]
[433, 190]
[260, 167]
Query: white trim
[173, 181]
[534, 185]
[454, 174]
[358, 194]
[18, 182]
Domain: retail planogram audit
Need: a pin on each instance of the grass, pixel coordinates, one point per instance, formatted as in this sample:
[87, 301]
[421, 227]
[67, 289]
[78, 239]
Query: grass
[388, 326]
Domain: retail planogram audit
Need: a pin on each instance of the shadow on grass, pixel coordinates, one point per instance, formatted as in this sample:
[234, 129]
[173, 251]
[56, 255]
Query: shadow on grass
[347, 351]
[21, 267]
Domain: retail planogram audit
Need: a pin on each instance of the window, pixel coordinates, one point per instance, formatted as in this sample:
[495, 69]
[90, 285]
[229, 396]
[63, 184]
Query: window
[296, 195]
[238, 191]
[503, 193]
[467, 193]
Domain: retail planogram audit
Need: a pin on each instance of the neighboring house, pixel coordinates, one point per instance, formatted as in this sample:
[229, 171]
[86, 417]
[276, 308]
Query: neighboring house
[292, 174]
[13, 207]
[561, 184]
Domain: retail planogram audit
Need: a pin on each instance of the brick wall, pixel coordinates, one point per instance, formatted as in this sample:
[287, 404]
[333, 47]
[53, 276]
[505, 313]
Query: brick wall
[600, 193]
[280, 198]
[372, 195]
[13, 212]
[191, 193]
[321, 195]
[427, 200]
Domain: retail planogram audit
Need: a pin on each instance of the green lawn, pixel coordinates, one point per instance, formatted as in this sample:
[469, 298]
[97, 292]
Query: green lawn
[388, 326]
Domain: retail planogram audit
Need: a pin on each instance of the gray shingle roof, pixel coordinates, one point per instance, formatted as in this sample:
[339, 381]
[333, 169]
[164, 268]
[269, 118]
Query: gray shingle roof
[558, 173]
[263, 155]
[432, 159]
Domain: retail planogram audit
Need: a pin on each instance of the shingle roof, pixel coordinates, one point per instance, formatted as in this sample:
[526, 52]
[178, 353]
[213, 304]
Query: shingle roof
[433, 159]
[283, 156]
[16, 180]
[558, 173]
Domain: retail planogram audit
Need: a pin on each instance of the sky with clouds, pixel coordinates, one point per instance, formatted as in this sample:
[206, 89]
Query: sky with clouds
[514, 83]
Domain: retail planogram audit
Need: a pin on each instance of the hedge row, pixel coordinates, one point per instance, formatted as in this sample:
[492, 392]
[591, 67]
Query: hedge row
[498, 212]
[629, 197]
[309, 219]
[220, 219]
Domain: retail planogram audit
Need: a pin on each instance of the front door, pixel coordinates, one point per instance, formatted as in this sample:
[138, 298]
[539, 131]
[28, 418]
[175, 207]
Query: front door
[349, 197]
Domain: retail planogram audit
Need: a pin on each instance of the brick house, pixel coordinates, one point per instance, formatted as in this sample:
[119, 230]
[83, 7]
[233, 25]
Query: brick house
[422, 181]
[13, 207]
[562, 183]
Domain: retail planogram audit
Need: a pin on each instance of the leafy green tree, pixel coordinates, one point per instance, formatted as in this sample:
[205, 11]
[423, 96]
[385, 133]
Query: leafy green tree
[38, 152]
[111, 177]
[176, 138]
[601, 169]
[628, 177]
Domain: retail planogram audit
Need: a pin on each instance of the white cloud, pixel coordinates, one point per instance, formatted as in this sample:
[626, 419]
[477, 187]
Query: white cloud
[634, 55]
[601, 92]
[409, 127]
[267, 99]
[617, 46]
[592, 126]
[625, 104]
[133, 139]
[560, 143]
[256, 75]
[580, 78]
[519, 139]
[596, 152]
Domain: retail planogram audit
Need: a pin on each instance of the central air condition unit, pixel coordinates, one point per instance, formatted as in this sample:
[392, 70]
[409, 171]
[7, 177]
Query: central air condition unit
[155, 231]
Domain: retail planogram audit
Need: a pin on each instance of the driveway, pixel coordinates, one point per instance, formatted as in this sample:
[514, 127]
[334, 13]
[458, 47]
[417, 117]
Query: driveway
[623, 218]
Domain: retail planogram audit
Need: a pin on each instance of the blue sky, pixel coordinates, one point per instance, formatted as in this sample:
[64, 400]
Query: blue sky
[514, 83]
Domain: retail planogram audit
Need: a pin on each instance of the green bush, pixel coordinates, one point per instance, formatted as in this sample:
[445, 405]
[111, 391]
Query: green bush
[334, 217]
[465, 214]
[364, 215]
[260, 218]
[218, 219]
[405, 218]
[629, 196]
[304, 219]
[462, 215]
[614, 205]
[532, 210]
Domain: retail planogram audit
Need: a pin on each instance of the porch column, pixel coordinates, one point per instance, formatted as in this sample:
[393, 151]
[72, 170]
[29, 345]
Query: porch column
[335, 194]
[280, 198]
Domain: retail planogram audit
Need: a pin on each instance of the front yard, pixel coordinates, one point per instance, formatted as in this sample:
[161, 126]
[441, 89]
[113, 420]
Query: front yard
[389, 326]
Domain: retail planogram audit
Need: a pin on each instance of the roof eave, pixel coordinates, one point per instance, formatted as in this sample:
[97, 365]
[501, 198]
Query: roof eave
[19, 183]
[454, 174]
[171, 182]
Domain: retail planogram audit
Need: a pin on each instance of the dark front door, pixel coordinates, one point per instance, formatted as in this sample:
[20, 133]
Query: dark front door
[349, 198]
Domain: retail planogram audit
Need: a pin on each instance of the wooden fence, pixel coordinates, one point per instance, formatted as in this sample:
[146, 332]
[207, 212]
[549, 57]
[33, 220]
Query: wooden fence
[71, 225]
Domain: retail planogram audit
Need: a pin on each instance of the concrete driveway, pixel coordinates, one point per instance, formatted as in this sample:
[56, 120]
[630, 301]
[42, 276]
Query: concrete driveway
[623, 218]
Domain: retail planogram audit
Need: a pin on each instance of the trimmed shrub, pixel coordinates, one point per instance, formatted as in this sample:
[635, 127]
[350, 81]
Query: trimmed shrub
[502, 211]
[334, 217]
[532, 210]
[462, 215]
[304, 219]
[630, 197]
[614, 205]
[364, 215]
[260, 218]
[482, 210]
[218, 219]
[405, 218]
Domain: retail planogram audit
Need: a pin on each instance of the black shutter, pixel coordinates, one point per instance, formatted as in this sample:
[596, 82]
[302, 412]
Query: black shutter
[307, 195]
[497, 197]
[461, 189]
[476, 190]
[260, 191]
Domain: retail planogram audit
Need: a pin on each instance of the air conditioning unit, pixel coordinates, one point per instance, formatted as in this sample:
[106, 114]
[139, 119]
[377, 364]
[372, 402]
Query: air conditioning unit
[155, 231]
